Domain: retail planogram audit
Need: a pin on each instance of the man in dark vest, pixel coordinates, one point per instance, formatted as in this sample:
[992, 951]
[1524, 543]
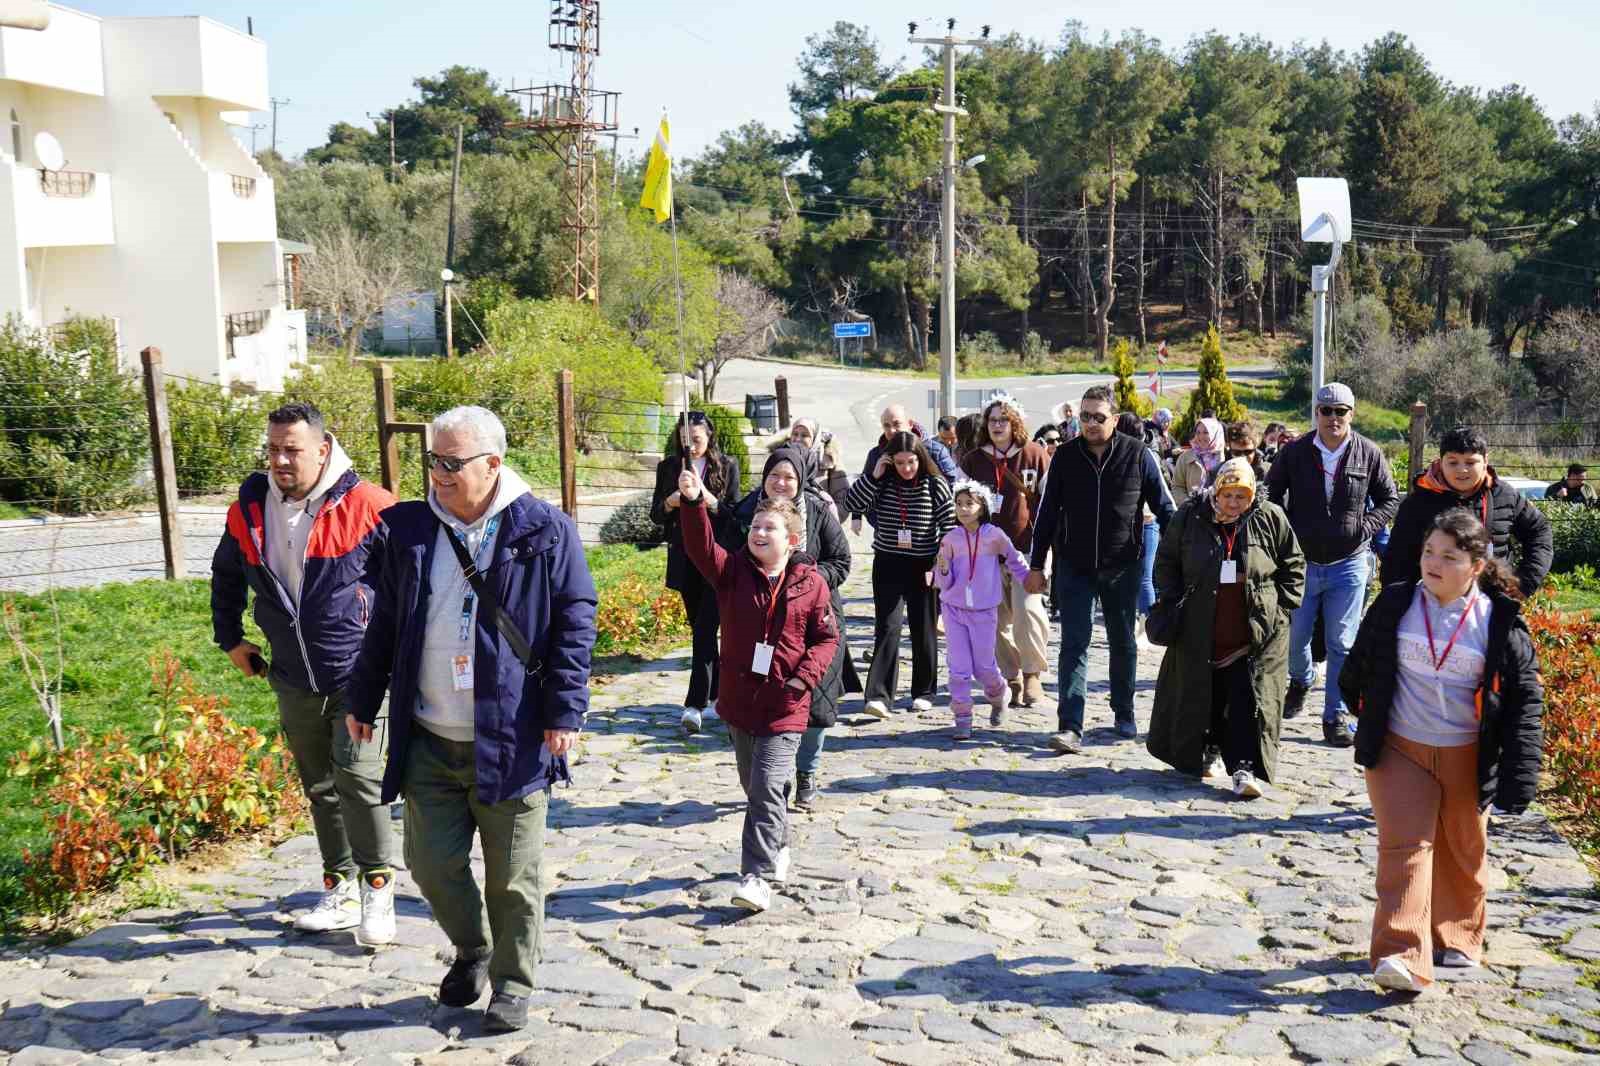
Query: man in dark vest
[1105, 476]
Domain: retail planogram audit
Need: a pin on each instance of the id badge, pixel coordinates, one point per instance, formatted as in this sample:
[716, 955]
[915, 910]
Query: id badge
[1230, 571]
[905, 538]
[461, 673]
[761, 661]
[969, 595]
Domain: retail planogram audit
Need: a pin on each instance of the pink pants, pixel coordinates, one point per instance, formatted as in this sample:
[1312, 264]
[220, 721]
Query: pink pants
[969, 646]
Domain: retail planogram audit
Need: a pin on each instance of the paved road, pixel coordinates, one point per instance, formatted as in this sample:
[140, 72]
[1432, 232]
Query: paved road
[974, 903]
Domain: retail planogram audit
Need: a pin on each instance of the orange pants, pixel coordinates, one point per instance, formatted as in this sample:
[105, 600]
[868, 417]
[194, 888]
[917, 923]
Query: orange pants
[1432, 853]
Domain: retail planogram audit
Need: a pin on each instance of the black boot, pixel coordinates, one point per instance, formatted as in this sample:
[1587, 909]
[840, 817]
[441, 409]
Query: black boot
[465, 981]
[1295, 701]
[506, 1013]
[806, 792]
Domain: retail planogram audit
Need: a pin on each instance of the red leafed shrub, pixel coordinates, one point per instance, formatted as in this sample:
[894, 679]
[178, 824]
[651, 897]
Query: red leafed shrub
[117, 803]
[635, 614]
[1569, 658]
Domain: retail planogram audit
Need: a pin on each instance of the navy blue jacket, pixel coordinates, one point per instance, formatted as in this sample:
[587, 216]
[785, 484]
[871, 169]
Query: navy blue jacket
[316, 650]
[541, 577]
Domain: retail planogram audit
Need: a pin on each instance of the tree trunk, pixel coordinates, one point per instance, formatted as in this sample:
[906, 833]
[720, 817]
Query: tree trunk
[1139, 294]
[352, 342]
[1108, 281]
[1441, 303]
[905, 319]
[1215, 280]
[1272, 283]
[1085, 282]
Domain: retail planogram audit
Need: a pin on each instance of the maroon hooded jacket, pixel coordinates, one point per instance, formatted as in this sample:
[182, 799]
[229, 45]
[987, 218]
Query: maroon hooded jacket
[804, 632]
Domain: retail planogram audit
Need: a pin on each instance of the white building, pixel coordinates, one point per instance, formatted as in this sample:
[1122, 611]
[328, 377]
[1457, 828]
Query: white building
[158, 218]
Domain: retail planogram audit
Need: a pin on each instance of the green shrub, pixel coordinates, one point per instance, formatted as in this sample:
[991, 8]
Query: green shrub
[730, 427]
[1577, 535]
[631, 524]
[343, 392]
[216, 437]
[475, 300]
[1213, 392]
[73, 430]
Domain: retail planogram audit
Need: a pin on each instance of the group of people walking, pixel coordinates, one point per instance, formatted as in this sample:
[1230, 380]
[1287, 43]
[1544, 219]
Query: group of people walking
[439, 649]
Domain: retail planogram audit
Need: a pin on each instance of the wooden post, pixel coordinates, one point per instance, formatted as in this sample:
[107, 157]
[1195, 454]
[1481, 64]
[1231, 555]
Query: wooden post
[155, 403]
[781, 387]
[566, 430]
[1419, 440]
[426, 433]
[388, 450]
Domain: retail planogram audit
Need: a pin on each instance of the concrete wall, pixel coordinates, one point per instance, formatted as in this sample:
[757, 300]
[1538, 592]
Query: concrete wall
[248, 276]
[199, 58]
[65, 55]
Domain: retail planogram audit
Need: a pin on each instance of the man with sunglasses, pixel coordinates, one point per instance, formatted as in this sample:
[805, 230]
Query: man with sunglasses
[1336, 486]
[304, 537]
[482, 637]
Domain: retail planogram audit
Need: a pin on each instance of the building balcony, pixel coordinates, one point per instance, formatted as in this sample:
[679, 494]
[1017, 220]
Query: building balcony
[242, 207]
[64, 55]
[61, 208]
[198, 58]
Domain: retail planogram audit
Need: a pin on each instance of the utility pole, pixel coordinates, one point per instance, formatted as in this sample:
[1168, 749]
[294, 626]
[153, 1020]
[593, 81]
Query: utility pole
[276, 103]
[615, 169]
[947, 229]
[448, 274]
[389, 114]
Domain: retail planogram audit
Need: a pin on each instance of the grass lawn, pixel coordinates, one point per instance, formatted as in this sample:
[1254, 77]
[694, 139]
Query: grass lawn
[11, 510]
[1577, 600]
[110, 634]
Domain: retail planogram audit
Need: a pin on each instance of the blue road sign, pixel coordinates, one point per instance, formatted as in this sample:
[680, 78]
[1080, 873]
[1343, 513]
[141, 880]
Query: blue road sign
[851, 329]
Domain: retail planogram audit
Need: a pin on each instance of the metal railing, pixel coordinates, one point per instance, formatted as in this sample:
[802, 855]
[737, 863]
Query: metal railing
[243, 324]
[243, 187]
[72, 184]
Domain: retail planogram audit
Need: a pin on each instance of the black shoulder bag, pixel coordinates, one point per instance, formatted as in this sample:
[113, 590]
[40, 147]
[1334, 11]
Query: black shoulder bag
[491, 603]
[1166, 615]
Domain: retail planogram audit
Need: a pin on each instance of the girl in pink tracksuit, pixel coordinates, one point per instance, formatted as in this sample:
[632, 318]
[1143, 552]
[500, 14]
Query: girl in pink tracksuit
[967, 575]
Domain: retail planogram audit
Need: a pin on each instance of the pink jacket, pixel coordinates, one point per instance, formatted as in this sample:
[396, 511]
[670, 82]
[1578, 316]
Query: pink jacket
[977, 587]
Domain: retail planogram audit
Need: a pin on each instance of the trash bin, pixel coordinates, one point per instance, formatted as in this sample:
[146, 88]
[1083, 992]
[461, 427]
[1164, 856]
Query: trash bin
[762, 411]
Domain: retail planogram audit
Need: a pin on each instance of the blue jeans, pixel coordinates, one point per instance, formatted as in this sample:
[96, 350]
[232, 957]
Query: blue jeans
[1339, 591]
[809, 757]
[1147, 579]
[1118, 593]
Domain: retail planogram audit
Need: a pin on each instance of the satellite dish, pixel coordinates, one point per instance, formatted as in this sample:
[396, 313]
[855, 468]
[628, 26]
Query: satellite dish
[48, 151]
[1324, 210]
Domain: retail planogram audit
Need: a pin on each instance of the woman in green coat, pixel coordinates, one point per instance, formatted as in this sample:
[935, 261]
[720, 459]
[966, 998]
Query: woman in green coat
[1225, 673]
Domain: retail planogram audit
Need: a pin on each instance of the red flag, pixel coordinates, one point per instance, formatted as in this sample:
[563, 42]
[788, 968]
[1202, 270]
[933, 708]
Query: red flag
[1161, 353]
[1155, 383]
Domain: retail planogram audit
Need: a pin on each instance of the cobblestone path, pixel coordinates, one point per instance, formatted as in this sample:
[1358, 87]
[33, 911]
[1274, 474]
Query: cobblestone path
[982, 902]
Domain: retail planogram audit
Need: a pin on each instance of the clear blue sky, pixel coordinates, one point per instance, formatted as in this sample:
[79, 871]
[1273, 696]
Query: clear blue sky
[718, 63]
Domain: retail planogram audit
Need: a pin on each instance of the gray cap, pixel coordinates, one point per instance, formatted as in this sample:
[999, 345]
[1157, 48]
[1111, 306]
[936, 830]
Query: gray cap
[1335, 393]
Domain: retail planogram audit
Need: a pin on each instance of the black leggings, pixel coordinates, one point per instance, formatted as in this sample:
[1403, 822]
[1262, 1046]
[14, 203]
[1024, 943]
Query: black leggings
[700, 607]
[900, 588]
[1233, 718]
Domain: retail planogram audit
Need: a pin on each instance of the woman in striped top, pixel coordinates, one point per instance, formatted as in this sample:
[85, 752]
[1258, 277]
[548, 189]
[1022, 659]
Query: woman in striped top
[911, 512]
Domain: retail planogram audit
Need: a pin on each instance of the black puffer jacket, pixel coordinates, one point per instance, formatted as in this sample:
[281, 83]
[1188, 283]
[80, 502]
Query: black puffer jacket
[1506, 512]
[1511, 718]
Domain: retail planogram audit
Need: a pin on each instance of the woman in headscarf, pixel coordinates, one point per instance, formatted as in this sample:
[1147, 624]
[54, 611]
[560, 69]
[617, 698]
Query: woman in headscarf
[1197, 465]
[790, 474]
[806, 434]
[1232, 559]
[1065, 420]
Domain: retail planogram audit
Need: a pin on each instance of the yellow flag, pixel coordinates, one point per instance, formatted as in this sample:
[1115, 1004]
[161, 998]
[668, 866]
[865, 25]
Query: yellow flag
[658, 176]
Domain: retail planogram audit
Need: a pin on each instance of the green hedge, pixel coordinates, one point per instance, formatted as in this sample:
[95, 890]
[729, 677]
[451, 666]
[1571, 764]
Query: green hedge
[216, 437]
[730, 429]
[1577, 534]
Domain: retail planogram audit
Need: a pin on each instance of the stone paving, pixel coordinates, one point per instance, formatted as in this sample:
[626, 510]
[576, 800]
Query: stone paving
[951, 903]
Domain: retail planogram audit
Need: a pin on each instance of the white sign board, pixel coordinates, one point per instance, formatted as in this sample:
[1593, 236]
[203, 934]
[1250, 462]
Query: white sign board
[1320, 197]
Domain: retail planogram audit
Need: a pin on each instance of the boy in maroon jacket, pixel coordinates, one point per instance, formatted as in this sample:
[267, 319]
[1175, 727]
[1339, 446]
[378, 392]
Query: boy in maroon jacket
[778, 637]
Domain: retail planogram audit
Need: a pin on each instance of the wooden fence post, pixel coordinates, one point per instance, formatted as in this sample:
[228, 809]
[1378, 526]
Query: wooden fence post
[1419, 440]
[780, 386]
[155, 404]
[566, 434]
[388, 449]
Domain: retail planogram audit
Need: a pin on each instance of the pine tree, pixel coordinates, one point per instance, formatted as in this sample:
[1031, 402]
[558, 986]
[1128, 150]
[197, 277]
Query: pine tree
[1122, 366]
[1214, 393]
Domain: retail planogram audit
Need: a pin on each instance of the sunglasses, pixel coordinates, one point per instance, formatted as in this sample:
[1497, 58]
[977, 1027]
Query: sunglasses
[1050, 440]
[697, 418]
[1095, 416]
[449, 463]
[1333, 412]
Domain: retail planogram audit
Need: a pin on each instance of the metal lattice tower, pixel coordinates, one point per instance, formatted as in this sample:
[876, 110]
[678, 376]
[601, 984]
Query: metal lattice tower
[565, 119]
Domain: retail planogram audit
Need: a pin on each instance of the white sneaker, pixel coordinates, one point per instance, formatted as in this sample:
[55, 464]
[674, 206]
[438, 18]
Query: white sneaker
[919, 705]
[752, 894]
[1245, 785]
[1067, 742]
[377, 910]
[1458, 960]
[876, 709]
[339, 907]
[1393, 974]
[690, 720]
[710, 713]
[780, 866]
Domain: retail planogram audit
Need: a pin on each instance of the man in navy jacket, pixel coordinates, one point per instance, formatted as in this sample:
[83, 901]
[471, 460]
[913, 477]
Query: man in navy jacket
[477, 736]
[304, 537]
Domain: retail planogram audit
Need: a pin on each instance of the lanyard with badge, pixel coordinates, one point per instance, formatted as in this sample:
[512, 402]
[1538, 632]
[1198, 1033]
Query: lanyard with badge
[905, 516]
[1230, 568]
[461, 665]
[761, 663]
[972, 560]
[1437, 657]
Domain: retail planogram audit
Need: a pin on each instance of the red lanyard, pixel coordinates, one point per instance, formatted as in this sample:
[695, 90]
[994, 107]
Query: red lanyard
[1427, 623]
[900, 498]
[1230, 541]
[1002, 467]
[772, 605]
[972, 552]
